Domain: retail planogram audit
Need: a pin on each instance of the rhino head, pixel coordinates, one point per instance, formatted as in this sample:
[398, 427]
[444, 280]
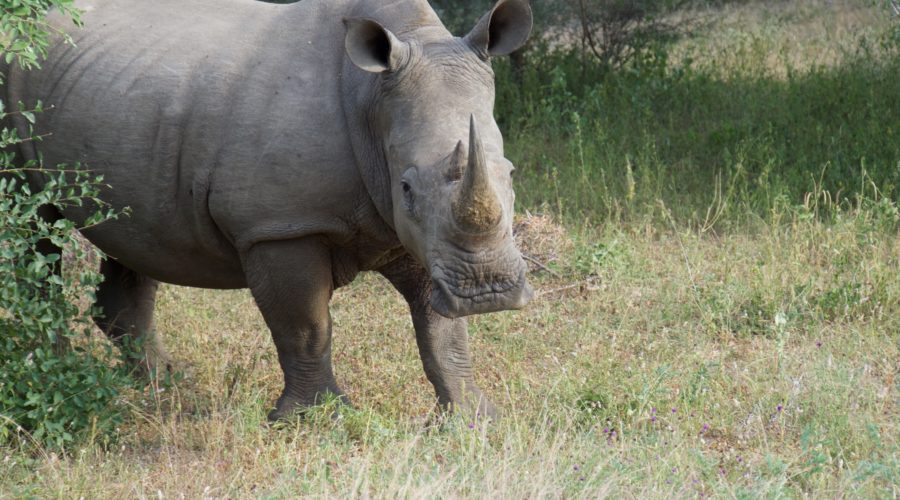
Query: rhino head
[451, 195]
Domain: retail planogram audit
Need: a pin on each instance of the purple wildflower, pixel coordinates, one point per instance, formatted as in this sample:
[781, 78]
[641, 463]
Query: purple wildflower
[779, 408]
[575, 467]
[674, 410]
[471, 425]
[704, 429]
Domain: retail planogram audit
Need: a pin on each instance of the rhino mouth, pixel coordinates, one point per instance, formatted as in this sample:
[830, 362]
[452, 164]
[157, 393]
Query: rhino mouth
[459, 293]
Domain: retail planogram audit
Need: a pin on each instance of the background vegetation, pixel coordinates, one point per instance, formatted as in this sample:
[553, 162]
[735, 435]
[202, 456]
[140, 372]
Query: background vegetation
[714, 217]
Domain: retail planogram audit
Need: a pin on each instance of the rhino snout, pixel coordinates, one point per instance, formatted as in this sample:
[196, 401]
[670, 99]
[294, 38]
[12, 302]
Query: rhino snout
[455, 294]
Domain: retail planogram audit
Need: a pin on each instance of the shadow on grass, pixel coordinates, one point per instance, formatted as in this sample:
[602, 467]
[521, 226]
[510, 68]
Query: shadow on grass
[698, 142]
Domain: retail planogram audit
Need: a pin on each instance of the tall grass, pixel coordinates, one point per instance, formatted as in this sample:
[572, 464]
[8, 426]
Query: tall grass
[730, 133]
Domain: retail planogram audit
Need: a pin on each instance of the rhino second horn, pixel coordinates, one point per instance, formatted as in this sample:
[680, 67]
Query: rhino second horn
[457, 163]
[475, 206]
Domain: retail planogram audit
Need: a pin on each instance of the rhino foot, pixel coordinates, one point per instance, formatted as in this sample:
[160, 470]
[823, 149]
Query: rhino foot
[154, 367]
[288, 407]
[152, 363]
[472, 411]
[475, 406]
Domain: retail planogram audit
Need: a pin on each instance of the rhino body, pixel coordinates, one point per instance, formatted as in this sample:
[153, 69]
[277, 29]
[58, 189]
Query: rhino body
[286, 148]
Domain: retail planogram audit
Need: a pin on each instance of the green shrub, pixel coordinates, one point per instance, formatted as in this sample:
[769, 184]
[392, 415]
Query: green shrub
[56, 385]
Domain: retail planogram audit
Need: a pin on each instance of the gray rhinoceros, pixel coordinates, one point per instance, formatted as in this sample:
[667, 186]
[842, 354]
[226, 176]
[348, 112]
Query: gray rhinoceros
[286, 148]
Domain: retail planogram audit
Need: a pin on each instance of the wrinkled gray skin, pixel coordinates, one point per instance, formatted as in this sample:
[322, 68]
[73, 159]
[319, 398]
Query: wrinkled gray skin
[286, 148]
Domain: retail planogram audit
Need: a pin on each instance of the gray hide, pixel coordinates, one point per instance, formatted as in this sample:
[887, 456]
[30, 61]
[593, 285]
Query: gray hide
[286, 148]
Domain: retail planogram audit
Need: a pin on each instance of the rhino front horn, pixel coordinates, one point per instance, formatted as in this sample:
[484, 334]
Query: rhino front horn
[475, 206]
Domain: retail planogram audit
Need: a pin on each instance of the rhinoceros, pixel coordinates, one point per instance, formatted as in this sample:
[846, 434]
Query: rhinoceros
[285, 149]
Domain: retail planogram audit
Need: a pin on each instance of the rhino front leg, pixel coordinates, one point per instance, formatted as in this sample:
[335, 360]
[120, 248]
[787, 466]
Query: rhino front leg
[443, 342]
[292, 285]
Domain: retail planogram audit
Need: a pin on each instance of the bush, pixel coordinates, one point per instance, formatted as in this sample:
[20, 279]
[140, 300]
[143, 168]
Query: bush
[52, 384]
[612, 33]
[56, 386]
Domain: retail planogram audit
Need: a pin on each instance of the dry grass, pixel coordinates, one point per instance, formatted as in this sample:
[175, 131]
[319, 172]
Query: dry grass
[729, 366]
[542, 241]
[774, 38]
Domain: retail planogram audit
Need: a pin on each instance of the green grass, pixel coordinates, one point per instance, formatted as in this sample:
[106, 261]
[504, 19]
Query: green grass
[731, 119]
[725, 321]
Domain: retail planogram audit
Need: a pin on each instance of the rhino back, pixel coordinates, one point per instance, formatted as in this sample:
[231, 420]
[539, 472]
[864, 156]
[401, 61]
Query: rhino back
[218, 122]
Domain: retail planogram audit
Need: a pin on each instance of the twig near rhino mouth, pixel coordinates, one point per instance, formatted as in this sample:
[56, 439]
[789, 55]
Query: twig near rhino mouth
[585, 283]
[541, 265]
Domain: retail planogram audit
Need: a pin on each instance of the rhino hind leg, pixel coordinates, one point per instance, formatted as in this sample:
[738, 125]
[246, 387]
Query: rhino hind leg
[443, 343]
[291, 282]
[126, 300]
[50, 214]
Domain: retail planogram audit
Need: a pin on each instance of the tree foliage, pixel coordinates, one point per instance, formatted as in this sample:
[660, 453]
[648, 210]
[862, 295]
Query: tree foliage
[615, 31]
[25, 35]
[607, 32]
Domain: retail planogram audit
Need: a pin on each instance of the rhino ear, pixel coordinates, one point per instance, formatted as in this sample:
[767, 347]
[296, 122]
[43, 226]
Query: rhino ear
[372, 47]
[502, 30]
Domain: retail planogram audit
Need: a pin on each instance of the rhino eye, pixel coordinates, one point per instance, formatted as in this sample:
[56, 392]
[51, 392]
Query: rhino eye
[409, 200]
